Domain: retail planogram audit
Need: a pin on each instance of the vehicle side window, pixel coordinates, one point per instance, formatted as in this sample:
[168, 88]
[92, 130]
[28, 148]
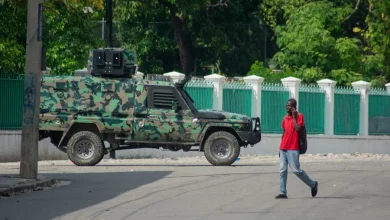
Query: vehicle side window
[162, 98]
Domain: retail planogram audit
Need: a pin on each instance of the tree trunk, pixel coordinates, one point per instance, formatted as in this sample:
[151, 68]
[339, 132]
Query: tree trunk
[187, 50]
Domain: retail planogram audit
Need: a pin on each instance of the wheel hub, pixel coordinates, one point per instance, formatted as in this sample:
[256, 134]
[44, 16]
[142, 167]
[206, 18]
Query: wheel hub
[221, 148]
[84, 149]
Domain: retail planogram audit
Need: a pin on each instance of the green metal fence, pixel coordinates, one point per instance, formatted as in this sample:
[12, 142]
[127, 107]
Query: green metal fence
[201, 92]
[379, 112]
[273, 107]
[11, 101]
[312, 106]
[237, 98]
[346, 111]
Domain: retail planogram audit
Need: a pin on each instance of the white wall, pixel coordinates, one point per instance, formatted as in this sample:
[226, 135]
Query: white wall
[10, 147]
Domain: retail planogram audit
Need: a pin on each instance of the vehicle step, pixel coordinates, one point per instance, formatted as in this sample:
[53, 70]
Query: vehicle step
[122, 138]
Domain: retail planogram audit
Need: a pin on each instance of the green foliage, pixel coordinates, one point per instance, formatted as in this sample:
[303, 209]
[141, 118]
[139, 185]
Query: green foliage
[348, 52]
[378, 40]
[152, 40]
[378, 81]
[310, 75]
[269, 76]
[228, 31]
[325, 39]
[307, 39]
[12, 36]
[258, 69]
[69, 34]
[345, 77]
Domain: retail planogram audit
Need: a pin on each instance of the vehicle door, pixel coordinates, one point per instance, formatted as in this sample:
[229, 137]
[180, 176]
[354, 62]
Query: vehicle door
[161, 121]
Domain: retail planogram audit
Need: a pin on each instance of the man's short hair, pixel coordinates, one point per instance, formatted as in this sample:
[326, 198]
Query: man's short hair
[293, 102]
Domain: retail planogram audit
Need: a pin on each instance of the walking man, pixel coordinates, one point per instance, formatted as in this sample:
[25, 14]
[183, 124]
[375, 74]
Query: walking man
[289, 150]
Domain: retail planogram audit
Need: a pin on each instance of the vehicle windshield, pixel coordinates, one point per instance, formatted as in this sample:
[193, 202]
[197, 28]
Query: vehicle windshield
[188, 100]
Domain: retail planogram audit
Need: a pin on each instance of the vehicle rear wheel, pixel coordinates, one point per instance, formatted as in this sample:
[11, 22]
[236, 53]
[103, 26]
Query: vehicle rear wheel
[221, 148]
[85, 148]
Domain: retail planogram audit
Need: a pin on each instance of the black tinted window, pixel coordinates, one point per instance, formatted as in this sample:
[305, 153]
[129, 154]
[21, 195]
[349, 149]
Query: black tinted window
[163, 99]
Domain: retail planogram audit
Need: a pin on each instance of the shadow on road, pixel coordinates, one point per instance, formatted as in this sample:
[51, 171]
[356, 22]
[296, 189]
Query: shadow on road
[85, 190]
[327, 197]
[175, 165]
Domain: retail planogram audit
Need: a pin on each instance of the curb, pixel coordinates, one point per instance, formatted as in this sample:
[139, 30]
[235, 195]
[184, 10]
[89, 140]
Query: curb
[21, 188]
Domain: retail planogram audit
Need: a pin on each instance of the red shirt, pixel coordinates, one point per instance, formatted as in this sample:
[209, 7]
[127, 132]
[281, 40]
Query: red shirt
[291, 137]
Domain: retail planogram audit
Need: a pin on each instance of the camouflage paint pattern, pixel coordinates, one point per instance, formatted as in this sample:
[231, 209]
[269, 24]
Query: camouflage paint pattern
[109, 103]
[230, 117]
[119, 105]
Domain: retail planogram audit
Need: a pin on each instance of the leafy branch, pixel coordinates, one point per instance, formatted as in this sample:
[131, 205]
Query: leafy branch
[219, 4]
[354, 11]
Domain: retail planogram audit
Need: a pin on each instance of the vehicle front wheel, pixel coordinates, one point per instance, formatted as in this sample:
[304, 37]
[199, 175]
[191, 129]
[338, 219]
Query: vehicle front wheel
[85, 148]
[221, 148]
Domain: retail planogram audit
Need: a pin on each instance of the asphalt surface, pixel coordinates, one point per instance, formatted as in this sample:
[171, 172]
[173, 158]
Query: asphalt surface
[179, 189]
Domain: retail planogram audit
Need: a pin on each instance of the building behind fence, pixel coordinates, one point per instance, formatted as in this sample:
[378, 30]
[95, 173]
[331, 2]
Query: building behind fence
[330, 110]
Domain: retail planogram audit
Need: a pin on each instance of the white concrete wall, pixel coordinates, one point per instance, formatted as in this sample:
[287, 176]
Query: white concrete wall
[10, 147]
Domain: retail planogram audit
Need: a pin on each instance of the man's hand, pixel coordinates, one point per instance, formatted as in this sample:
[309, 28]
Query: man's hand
[294, 113]
[295, 117]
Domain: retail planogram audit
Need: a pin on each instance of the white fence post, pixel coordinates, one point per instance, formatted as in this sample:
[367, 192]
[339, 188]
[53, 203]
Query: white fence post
[255, 82]
[328, 85]
[218, 82]
[139, 76]
[388, 87]
[364, 88]
[176, 76]
[292, 84]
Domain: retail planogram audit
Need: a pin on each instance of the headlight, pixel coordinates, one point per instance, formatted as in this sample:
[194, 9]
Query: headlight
[256, 124]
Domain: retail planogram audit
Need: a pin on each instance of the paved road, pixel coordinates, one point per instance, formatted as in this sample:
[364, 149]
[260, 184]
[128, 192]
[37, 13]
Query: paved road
[157, 189]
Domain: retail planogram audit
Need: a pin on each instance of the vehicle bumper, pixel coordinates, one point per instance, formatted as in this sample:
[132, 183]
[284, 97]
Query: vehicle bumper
[250, 137]
[254, 136]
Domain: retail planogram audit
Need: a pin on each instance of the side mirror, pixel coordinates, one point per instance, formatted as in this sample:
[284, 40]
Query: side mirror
[175, 106]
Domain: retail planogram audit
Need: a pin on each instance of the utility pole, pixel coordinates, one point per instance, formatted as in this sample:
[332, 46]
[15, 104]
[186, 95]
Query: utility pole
[103, 24]
[108, 8]
[265, 45]
[32, 80]
[109, 21]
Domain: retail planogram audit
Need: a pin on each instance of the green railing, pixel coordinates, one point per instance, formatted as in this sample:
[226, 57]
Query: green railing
[273, 107]
[346, 111]
[11, 101]
[312, 105]
[237, 98]
[201, 92]
[379, 112]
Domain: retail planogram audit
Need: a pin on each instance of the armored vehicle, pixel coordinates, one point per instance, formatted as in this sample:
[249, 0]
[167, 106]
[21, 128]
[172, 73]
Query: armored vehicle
[80, 113]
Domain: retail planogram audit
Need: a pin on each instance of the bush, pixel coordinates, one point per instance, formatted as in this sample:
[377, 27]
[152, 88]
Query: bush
[269, 76]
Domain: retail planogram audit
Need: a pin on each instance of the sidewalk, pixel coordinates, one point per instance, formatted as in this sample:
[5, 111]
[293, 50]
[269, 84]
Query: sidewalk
[11, 184]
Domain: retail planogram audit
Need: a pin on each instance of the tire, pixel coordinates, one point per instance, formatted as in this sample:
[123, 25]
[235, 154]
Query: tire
[85, 148]
[221, 148]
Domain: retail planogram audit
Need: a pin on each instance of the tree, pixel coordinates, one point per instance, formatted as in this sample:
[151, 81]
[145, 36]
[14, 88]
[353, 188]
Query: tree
[70, 31]
[13, 17]
[179, 34]
[318, 38]
[377, 37]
